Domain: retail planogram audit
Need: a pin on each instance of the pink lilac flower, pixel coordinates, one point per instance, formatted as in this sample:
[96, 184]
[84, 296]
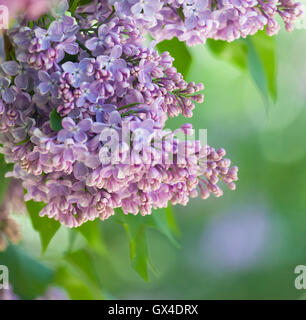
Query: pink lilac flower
[76, 72]
[22, 74]
[194, 21]
[87, 134]
[73, 130]
[49, 83]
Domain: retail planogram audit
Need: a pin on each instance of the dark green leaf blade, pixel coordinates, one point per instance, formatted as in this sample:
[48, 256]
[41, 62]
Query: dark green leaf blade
[257, 71]
[255, 54]
[91, 232]
[171, 221]
[179, 51]
[83, 261]
[233, 52]
[46, 227]
[265, 47]
[73, 4]
[55, 121]
[28, 277]
[136, 232]
[82, 264]
[76, 289]
[163, 220]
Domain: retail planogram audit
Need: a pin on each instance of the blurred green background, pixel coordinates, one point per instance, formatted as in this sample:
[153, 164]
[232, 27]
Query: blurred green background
[244, 245]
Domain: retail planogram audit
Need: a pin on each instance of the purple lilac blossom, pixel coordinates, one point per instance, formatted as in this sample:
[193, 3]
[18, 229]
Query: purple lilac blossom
[99, 78]
[194, 21]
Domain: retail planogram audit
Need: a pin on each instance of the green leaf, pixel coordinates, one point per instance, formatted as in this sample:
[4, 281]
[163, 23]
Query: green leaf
[136, 232]
[171, 221]
[73, 4]
[77, 289]
[131, 105]
[92, 233]
[28, 277]
[234, 52]
[179, 51]
[55, 121]
[265, 48]
[255, 54]
[181, 13]
[82, 263]
[256, 69]
[45, 226]
[84, 2]
[163, 220]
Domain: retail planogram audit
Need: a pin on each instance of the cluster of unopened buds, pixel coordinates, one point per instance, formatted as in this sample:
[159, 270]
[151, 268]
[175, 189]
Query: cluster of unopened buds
[84, 105]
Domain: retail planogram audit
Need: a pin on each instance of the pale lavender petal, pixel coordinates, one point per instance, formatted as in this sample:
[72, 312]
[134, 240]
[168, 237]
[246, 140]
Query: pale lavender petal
[84, 64]
[109, 107]
[60, 55]
[148, 125]
[69, 66]
[19, 133]
[43, 76]
[4, 82]
[136, 8]
[80, 171]
[97, 127]
[68, 155]
[68, 123]
[63, 135]
[99, 116]
[55, 32]
[116, 52]
[92, 161]
[10, 67]
[8, 95]
[39, 32]
[149, 10]
[91, 44]
[21, 81]
[81, 101]
[102, 60]
[72, 48]
[44, 87]
[115, 117]
[80, 136]
[85, 124]
[92, 97]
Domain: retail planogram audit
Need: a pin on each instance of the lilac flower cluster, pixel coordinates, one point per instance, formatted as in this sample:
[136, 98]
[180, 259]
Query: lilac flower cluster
[68, 96]
[194, 21]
